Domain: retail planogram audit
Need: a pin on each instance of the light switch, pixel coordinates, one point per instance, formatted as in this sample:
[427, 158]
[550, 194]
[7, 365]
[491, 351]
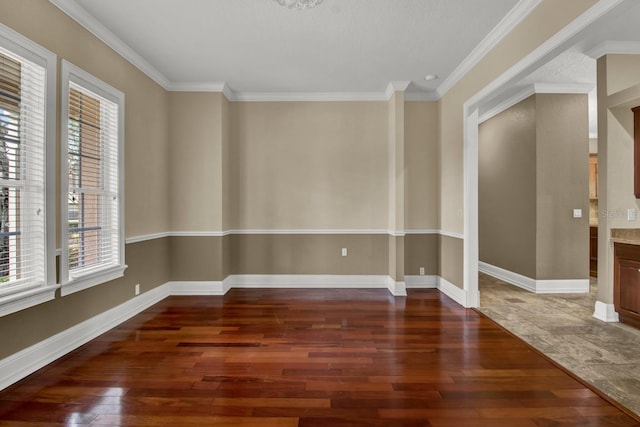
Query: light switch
[344, 251]
[632, 214]
[577, 213]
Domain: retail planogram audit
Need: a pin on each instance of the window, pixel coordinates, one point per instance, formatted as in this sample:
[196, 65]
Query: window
[27, 150]
[92, 152]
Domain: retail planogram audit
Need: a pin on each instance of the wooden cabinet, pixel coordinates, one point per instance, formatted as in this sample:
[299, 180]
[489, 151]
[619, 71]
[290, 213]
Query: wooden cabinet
[626, 284]
[636, 151]
[593, 251]
[593, 176]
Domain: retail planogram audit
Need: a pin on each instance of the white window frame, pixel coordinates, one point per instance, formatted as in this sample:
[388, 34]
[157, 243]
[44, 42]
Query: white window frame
[27, 296]
[86, 278]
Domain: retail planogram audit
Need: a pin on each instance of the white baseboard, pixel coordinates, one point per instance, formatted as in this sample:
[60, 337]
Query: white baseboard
[605, 312]
[560, 286]
[17, 366]
[421, 282]
[316, 281]
[197, 288]
[457, 294]
[397, 289]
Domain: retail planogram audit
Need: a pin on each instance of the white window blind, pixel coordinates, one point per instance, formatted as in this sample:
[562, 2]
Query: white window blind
[93, 240]
[27, 191]
[22, 174]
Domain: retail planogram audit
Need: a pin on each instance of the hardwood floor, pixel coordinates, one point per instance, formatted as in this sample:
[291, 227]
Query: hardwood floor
[306, 358]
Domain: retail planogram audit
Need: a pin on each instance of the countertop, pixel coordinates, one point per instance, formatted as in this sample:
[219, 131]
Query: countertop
[630, 236]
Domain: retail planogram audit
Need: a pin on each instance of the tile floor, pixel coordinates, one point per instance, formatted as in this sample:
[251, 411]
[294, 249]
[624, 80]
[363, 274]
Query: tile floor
[605, 355]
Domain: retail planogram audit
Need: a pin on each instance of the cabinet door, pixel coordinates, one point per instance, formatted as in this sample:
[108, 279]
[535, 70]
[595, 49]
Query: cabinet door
[629, 286]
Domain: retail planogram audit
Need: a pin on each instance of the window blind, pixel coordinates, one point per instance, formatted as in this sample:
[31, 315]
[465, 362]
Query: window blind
[92, 161]
[22, 174]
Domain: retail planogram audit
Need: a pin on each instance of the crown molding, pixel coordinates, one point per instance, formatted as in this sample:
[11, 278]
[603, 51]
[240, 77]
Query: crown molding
[421, 96]
[82, 17]
[566, 88]
[527, 91]
[196, 87]
[613, 47]
[307, 96]
[397, 86]
[515, 16]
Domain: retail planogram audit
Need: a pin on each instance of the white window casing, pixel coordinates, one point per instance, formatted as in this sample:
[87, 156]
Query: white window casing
[27, 173]
[92, 181]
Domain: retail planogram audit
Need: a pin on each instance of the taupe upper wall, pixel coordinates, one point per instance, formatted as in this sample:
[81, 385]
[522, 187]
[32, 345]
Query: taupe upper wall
[309, 165]
[422, 182]
[507, 189]
[146, 107]
[541, 24]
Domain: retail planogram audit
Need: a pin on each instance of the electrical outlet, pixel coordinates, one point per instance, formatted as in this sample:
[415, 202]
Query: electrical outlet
[138, 289]
[344, 251]
[422, 271]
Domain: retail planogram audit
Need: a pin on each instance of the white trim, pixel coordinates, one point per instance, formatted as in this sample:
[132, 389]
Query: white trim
[20, 45]
[605, 312]
[423, 231]
[557, 286]
[421, 96]
[17, 366]
[317, 281]
[198, 288]
[612, 47]
[86, 281]
[200, 87]
[397, 289]
[393, 87]
[24, 299]
[563, 88]
[529, 90]
[71, 74]
[562, 286]
[451, 234]
[308, 96]
[144, 238]
[515, 279]
[421, 282]
[507, 103]
[511, 20]
[470, 145]
[91, 24]
[315, 231]
[452, 291]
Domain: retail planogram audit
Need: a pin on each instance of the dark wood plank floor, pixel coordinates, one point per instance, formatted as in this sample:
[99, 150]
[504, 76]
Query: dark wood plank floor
[306, 358]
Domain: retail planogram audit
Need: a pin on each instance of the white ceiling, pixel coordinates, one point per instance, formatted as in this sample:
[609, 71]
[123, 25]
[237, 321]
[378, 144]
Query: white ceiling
[258, 46]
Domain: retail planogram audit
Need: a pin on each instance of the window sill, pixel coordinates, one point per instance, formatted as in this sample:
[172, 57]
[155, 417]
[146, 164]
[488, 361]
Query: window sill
[28, 298]
[91, 279]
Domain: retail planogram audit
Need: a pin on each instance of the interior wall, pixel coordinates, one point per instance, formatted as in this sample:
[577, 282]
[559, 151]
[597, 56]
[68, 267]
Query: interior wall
[618, 92]
[507, 189]
[146, 177]
[562, 243]
[546, 20]
[310, 165]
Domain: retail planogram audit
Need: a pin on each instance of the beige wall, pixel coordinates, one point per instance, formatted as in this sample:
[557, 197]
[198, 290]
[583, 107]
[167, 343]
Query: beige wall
[533, 171]
[309, 165]
[196, 155]
[148, 265]
[422, 173]
[545, 21]
[507, 189]
[309, 254]
[422, 250]
[562, 132]
[146, 177]
[618, 76]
